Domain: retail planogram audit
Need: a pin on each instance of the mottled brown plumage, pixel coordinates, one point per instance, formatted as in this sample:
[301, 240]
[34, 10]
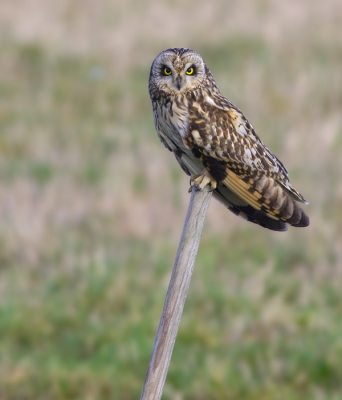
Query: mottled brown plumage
[214, 143]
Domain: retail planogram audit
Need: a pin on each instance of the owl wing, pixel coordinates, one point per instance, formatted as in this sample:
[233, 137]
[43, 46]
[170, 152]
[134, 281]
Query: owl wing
[232, 152]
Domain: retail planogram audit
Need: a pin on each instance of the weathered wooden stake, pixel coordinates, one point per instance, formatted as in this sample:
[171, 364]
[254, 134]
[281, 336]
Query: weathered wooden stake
[176, 295]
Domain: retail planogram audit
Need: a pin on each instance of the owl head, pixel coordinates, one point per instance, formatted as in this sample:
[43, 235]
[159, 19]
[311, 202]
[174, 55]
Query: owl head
[176, 71]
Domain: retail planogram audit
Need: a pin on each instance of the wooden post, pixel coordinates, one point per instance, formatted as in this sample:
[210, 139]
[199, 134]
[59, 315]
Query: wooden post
[176, 294]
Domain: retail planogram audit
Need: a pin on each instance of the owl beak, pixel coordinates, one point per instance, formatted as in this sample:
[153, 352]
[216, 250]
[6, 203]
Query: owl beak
[179, 82]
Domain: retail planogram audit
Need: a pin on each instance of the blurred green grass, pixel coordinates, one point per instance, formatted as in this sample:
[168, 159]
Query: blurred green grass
[92, 205]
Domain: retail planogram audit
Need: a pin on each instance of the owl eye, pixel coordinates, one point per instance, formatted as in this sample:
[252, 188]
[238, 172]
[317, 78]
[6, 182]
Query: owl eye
[167, 71]
[189, 71]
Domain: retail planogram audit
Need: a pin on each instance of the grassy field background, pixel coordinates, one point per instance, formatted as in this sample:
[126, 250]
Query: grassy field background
[92, 205]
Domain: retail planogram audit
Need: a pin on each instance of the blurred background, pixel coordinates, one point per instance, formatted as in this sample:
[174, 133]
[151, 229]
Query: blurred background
[92, 205]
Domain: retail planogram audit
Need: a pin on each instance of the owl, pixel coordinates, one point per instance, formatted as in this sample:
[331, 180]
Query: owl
[216, 145]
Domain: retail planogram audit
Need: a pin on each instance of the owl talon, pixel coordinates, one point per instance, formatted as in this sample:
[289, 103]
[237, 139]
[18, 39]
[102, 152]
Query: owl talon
[191, 184]
[202, 180]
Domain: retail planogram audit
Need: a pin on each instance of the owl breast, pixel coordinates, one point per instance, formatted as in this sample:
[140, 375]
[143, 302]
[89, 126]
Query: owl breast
[173, 117]
[172, 124]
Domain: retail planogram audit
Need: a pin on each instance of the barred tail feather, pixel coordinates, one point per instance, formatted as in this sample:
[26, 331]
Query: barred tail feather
[277, 202]
[291, 213]
[266, 195]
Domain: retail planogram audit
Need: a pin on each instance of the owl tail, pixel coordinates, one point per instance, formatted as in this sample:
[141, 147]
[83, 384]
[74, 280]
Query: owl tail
[278, 203]
[291, 213]
[268, 198]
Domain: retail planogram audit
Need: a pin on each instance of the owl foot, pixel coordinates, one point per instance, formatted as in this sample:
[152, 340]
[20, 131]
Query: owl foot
[202, 180]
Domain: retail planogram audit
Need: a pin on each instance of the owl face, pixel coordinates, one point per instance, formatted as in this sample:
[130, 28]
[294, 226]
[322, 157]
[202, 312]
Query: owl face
[175, 71]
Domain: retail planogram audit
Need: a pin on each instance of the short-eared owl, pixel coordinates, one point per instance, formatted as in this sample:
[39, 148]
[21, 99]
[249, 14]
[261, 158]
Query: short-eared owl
[215, 144]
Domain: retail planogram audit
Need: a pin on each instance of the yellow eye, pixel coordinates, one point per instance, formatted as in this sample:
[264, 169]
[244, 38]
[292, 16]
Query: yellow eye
[167, 71]
[190, 71]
